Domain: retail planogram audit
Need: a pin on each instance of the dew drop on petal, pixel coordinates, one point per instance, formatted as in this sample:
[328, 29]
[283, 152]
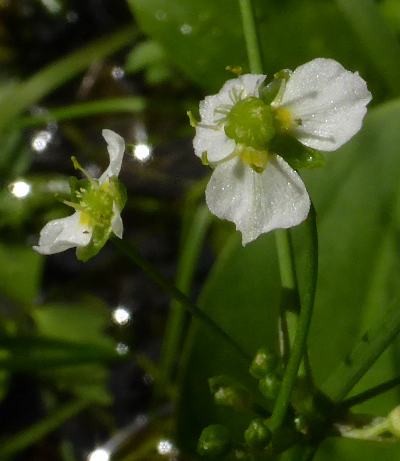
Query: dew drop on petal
[186, 29]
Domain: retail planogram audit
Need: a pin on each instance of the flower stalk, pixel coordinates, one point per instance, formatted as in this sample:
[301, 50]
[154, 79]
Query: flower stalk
[131, 253]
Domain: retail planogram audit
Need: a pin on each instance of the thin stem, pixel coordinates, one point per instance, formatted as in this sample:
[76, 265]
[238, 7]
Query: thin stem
[289, 303]
[300, 341]
[371, 393]
[192, 244]
[251, 36]
[130, 252]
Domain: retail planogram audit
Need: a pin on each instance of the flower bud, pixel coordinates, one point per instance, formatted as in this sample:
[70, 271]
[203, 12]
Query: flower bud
[214, 441]
[264, 362]
[269, 386]
[394, 421]
[229, 393]
[257, 435]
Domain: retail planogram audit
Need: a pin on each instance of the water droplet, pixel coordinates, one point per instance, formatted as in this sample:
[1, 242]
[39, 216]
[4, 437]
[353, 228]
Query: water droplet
[161, 15]
[100, 454]
[20, 189]
[121, 315]
[142, 152]
[41, 140]
[117, 73]
[122, 348]
[186, 29]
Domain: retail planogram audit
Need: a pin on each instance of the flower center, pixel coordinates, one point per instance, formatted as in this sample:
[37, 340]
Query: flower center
[251, 123]
[256, 159]
[96, 206]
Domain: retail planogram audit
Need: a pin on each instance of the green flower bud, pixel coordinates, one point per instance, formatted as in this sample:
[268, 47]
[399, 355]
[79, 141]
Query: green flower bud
[257, 435]
[214, 441]
[264, 362]
[250, 122]
[269, 386]
[229, 393]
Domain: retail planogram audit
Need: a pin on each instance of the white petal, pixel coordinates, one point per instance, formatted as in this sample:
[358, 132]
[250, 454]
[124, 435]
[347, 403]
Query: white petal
[215, 142]
[245, 85]
[329, 100]
[116, 149]
[117, 225]
[61, 234]
[257, 203]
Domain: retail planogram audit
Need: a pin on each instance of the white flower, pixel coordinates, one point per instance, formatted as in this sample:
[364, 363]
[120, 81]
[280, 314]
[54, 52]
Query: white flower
[97, 212]
[321, 104]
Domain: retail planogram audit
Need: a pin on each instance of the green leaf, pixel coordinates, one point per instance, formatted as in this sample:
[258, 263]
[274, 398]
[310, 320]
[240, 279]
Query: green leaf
[357, 201]
[204, 36]
[82, 323]
[20, 273]
[22, 95]
[237, 297]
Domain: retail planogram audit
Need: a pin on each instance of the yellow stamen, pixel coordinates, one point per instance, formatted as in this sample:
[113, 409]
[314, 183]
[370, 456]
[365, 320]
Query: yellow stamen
[84, 219]
[283, 117]
[256, 159]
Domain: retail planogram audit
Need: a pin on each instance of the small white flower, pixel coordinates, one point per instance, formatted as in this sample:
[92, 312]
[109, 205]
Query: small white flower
[97, 214]
[240, 134]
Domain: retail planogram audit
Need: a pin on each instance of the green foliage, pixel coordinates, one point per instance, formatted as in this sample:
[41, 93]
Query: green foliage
[203, 37]
[357, 195]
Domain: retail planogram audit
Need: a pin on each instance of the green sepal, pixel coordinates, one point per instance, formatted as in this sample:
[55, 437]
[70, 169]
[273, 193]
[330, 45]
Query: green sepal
[99, 239]
[295, 154]
[118, 192]
[214, 441]
[269, 92]
[76, 185]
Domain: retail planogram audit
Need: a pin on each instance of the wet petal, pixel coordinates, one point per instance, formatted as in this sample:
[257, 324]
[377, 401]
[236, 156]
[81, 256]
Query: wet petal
[117, 225]
[245, 85]
[215, 142]
[329, 100]
[257, 203]
[116, 149]
[61, 234]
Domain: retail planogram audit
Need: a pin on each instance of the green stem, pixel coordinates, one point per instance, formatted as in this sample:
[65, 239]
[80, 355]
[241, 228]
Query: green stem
[289, 303]
[130, 252]
[85, 109]
[371, 393]
[300, 341]
[36, 432]
[251, 36]
[192, 244]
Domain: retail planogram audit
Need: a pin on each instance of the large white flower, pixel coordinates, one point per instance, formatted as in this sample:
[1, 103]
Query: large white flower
[97, 214]
[320, 104]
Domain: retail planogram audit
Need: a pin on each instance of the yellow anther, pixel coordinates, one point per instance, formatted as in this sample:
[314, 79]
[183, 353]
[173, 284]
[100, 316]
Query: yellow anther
[237, 70]
[283, 118]
[84, 219]
[256, 159]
